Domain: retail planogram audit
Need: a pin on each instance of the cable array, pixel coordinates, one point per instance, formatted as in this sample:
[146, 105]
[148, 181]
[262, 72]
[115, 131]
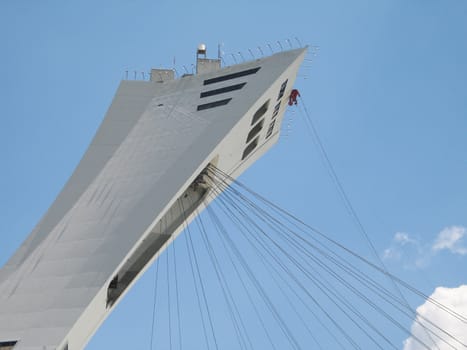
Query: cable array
[263, 278]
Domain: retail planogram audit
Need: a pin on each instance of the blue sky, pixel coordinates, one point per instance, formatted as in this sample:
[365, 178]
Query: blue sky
[387, 91]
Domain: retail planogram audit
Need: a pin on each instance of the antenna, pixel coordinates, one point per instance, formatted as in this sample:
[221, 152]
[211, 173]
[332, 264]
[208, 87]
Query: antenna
[219, 50]
[298, 41]
[270, 48]
[260, 50]
[280, 45]
[233, 56]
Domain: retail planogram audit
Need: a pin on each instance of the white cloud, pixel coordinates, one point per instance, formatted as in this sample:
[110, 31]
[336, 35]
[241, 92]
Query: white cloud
[413, 253]
[455, 299]
[391, 254]
[406, 250]
[404, 238]
[451, 238]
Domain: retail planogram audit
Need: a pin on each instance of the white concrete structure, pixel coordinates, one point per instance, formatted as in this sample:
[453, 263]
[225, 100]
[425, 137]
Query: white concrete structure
[140, 178]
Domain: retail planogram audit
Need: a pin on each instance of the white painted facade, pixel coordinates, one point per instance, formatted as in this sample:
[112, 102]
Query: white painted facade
[122, 205]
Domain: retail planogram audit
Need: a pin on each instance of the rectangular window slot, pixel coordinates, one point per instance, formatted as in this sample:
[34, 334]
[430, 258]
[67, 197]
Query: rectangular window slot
[260, 112]
[271, 128]
[213, 104]
[276, 109]
[222, 90]
[250, 148]
[282, 90]
[8, 345]
[253, 132]
[231, 76]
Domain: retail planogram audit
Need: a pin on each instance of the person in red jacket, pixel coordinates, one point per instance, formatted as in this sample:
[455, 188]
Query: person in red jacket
[294, 94]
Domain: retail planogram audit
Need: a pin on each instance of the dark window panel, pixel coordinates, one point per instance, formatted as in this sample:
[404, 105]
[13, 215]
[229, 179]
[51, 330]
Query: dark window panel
[213, 104]
[260, 112]
[250, 148]
[231, 76]
[253, 132]
[222, 90]
[271, 128]
[276, 109]
[281, 92]
[7, 345]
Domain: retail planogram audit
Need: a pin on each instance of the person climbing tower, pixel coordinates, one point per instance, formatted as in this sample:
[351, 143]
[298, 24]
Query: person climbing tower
[294, 94]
